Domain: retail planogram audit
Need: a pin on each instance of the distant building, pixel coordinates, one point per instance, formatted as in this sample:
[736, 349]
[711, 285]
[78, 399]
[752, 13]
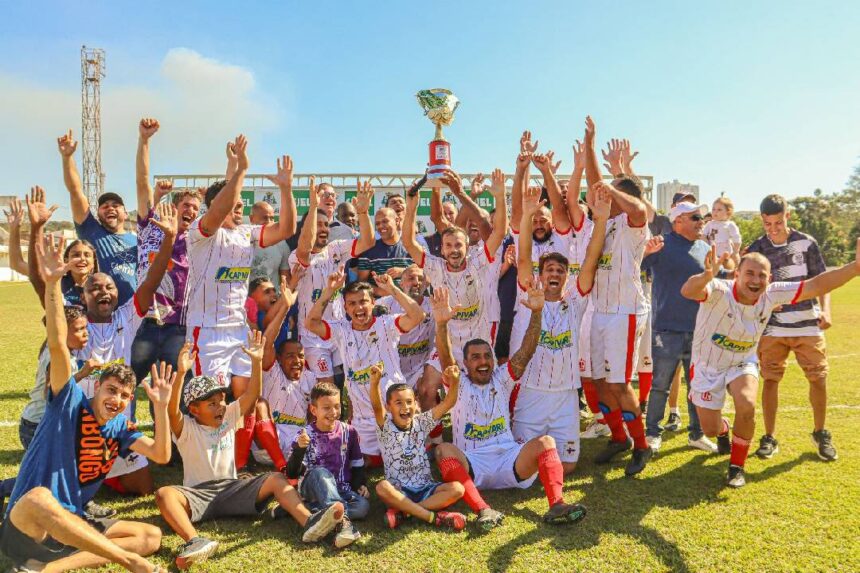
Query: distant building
[665, 192]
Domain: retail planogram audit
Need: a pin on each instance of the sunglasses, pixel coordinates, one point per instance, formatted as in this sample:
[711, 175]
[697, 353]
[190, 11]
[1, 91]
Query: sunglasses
[696, 218]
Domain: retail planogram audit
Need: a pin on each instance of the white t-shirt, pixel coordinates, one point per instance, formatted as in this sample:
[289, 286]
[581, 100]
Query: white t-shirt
[727, 332]
[288, 400]
[618, 284]
[723, 234]
[415, 346]
[310, 287]
[209, 453]
[481, 416]
[110, 342]
[403, 451]
[219, 266]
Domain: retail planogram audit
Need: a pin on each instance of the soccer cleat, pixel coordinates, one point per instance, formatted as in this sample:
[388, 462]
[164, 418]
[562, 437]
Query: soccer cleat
[824, 442]
[98, 511]
[489, 518]
[195, 550]
[393, 518]
[611, 450]
[563, 513]
[654, 442]
[767, 447]
[736, 477]
[322, 522]
[451, 520]
[596, 429]
[724, 445]
[346, 534]
[704, 444]
[638, 462]
[673, 424]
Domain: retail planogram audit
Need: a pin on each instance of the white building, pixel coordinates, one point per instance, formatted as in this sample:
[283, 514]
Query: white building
[665, 192]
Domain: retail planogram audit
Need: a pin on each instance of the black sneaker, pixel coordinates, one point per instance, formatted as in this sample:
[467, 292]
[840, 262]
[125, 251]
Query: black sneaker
[564, 513]
[323, 522]
[736, 477]
[98, 511]
[489, 518]
[638, 461]
[824, 442]
[612, 449]
[767, 447]
[673, 424]
[724, 445]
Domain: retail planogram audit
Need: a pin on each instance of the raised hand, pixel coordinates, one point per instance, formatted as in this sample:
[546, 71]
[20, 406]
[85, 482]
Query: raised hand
[526, 145]
[511, 255]
[535, 297]
[578, 156]
[240, 148]
[451, 180]
[385, 282]
[232, 158]
[167, 219]
[612, 156]
[363, 197]
[256, 344]
[15, 214]
[159, 388]
[654, 245]
[90, 366]
[375, 374]
[163, 188]
[147, 128]
[289, 294]
[284, 176]
[477, 186]
[296, 274]
[439, 301]
[497, 187]
[336, 280]
[553, 166]
[532, 201]
[37, 210]
[51, 256]
[67, 144]
[186, 358]
[626, 156]
[451, 375]
[713, 263]
[602, 201]
[590, 131]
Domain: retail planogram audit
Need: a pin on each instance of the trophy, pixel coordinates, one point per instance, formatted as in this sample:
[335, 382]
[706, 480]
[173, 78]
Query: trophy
[439, 106]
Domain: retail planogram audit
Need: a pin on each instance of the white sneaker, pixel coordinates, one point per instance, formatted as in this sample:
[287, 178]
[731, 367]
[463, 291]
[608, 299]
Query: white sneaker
[346, 534]
[703, 444]
[654, 442]
[596, 429]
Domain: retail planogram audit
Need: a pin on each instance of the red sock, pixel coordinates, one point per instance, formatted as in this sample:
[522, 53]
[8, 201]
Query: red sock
[616, 424]
[637, 432]
[453, 470]
[591, 397]
[645, 379]
[244, 435]
[267, 436]
[551, 475]
[740, 449]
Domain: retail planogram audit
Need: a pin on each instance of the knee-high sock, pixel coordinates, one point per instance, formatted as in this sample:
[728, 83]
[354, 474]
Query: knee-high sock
[551, 475]
[616, 424]
[591, 397]
[637, 431]
[740, 449]
[645, 379]
[267, 436]
[244, 435]
[452, 470]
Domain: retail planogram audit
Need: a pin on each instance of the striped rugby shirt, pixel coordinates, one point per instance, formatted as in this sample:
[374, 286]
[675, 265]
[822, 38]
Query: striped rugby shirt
[798, 259]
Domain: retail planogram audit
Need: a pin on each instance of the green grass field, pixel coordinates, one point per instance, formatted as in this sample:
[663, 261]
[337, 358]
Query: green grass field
[796, 513]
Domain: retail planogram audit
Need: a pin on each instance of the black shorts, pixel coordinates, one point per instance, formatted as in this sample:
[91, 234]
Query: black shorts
[224, 498]
[20, 547]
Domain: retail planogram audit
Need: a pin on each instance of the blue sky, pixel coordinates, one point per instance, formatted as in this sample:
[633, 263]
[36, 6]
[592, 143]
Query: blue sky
[745, 98]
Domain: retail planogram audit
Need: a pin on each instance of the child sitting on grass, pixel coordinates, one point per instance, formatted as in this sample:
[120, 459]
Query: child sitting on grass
[408, 487]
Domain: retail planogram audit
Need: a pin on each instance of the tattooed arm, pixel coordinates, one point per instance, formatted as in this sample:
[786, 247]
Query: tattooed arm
[521, 358]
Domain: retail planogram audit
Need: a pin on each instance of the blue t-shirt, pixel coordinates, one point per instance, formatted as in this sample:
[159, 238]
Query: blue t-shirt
[381, 257]
[116, 253]
[70, 453]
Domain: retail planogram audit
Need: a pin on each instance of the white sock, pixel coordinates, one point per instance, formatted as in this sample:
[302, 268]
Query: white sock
[675, 410]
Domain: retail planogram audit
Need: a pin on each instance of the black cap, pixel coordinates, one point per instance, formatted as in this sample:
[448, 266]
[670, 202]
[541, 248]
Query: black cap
[678, 197]
[110, 196]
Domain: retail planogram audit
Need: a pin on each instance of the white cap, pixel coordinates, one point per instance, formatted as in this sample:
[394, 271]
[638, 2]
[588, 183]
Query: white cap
[685, 207]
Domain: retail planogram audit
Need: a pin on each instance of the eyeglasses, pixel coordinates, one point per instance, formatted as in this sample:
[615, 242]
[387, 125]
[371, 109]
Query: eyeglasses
[696, 218]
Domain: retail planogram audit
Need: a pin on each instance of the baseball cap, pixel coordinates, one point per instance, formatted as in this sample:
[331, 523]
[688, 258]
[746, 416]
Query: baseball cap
[200, 388]
[110, 196]
[684, 207]
[678, 197]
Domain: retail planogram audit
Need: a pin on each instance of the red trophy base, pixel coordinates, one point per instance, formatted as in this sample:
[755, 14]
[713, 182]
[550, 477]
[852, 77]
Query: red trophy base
[440, 160]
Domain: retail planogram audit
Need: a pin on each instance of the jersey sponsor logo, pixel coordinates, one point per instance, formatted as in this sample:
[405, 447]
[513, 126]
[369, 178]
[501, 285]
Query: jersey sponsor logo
[322, 364]
[413, 349]
[605, 262]
[95, 454]
[317, 292]
[467, 313]
[572, 268]
[232, 274]
[557, 342]
[284, 418]
[363, 376]
[479, 432]
[727, 343]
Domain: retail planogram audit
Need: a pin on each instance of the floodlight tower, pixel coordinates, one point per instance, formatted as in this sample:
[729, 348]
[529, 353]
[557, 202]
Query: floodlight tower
[92, 72]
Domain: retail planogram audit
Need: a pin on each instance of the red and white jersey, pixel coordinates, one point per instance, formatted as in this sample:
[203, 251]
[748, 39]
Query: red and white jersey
[727, 331]
[471, 289]
[415, 346]
[555, 364]
[219, 266]
[579, 244]
[317, 271]
[618, 284]
[556, 243]
[481, 416]
[361, 349]
[288, 399]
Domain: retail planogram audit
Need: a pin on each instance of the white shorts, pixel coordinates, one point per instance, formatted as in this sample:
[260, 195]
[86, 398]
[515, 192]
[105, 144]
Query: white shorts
[584, 342]
[615, 345]
[645, 362]
[366, 428]
[123, 466]
[708, 388]
[219, 352]
[321, 356]
[286, 434]
[539, 413]
[493, 466]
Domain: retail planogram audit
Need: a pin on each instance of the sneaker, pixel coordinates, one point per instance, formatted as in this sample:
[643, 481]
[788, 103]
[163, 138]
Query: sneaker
[195, 550]
[489, 518]
[451, 520]
[394, 518]
[704, 444]
[98, 511]
[596, 429]
[563, 513]
[346, 534]
[323, 522]
[638, 461]
[584, 412]
[673, 424]
[654, 442]
[724, 445]
[824, 442]
[736, 477]
[767, 447]
[612, 449]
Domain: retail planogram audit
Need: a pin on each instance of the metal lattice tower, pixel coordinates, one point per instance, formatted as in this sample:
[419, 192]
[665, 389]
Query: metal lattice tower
[92, 72]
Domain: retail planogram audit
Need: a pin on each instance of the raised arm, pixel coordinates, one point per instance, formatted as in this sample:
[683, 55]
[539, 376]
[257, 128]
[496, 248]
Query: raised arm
[80, 205]
[560, 217]
[281, 307]
[696, 287]
[530, 204]
[451, 379]
[468, 208]
[375, 399]
[314, 320]
[574, 210]
[411, 245]
[146, 129]
[592, 167]
[822, 284]
[184, 365]
[308, 235]
[39, 214]
[500, 215]
[521, 177]
[230, 194]
[534, 302]
[168, 222]
[254, 349]
[437, 214]
[612, 156]
[442, 314]
[627, 157]
[602, 206]
[14, 216]
[49, 257]
[413, 314]
[159, 390]
[232, 161]
[361, 202]
[286, 225]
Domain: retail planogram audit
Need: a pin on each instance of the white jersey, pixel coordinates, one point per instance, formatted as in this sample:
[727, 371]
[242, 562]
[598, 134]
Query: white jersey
[471, 289]
[288, 399]
[579, 244]
[219, 266]
[317, 271]
[727, 331]
[361, 349]
[618, 285]
[415, 346]
[556, 243]
[481, 416]
[723, 234]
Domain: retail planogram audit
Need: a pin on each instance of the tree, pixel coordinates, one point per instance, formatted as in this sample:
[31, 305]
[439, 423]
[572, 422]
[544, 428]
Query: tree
[818, 216]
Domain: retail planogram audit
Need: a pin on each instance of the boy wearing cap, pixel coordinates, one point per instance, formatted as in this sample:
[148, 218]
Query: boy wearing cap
[206, 441]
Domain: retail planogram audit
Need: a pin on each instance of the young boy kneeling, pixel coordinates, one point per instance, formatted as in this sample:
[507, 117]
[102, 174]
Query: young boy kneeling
[206, 441]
